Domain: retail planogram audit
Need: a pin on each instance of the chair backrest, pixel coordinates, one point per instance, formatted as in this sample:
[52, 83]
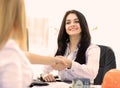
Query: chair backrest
[107, 62]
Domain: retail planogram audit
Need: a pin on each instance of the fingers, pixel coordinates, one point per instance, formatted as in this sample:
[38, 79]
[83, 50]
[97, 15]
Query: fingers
[59, 67]
[61, 63]
[59, 60]
[48, 78]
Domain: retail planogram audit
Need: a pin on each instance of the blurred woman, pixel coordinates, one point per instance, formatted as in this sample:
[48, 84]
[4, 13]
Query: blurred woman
[15, 68]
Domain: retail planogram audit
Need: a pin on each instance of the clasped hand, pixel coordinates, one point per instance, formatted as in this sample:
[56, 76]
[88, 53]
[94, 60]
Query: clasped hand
[62, 63]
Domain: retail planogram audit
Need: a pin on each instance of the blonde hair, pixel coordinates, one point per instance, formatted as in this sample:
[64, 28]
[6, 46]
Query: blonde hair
[12, 14]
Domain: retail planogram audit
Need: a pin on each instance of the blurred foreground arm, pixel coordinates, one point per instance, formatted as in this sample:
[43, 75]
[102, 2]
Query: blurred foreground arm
[48, 60]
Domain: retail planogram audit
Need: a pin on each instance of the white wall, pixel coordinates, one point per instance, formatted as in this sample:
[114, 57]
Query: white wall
[103, 17]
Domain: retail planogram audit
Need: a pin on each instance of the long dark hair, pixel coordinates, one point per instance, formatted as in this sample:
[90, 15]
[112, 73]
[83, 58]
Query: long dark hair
[63, 37]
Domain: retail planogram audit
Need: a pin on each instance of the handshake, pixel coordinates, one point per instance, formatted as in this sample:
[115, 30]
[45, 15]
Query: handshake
[61, 63]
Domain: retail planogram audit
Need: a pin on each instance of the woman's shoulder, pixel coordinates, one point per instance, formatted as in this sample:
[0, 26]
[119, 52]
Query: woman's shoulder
[93, 46]
[10, 53]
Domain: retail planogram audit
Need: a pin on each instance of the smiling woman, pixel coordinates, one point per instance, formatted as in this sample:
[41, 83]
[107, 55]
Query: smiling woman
[75, 28]
[76, 49]
[105, 18]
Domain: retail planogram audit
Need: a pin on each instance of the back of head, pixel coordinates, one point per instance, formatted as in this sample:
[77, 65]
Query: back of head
[12, 17]
[111, 79]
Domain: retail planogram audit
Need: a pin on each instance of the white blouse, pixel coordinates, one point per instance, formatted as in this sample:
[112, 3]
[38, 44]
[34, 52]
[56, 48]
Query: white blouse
[88, 70]
[15, 68]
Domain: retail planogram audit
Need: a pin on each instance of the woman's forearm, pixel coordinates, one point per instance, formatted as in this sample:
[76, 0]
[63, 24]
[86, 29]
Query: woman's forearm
[39, 59]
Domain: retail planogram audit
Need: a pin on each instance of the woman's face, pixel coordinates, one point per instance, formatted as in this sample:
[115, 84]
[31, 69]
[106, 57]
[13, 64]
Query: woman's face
[72, 25]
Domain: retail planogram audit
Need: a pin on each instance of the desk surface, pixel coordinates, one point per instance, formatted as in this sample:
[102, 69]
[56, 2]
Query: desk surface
[62, 85]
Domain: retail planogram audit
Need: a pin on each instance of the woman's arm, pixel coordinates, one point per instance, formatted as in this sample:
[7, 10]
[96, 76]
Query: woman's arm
[75, 70]
[47, 60]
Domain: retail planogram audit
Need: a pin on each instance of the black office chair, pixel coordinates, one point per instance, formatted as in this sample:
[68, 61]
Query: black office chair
[107, 62]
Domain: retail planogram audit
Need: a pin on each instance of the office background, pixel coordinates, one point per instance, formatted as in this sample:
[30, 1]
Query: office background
[44, 18]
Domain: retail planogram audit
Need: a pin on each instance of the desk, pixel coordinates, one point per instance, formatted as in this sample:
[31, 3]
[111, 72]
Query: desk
[39, 68]
[62, 85]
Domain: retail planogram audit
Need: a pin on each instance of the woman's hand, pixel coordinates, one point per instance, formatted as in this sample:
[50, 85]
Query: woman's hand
[48, 77]
[61, 66]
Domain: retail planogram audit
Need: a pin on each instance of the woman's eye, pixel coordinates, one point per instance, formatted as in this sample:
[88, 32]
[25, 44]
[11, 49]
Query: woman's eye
[77, 21]
[67, 22]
